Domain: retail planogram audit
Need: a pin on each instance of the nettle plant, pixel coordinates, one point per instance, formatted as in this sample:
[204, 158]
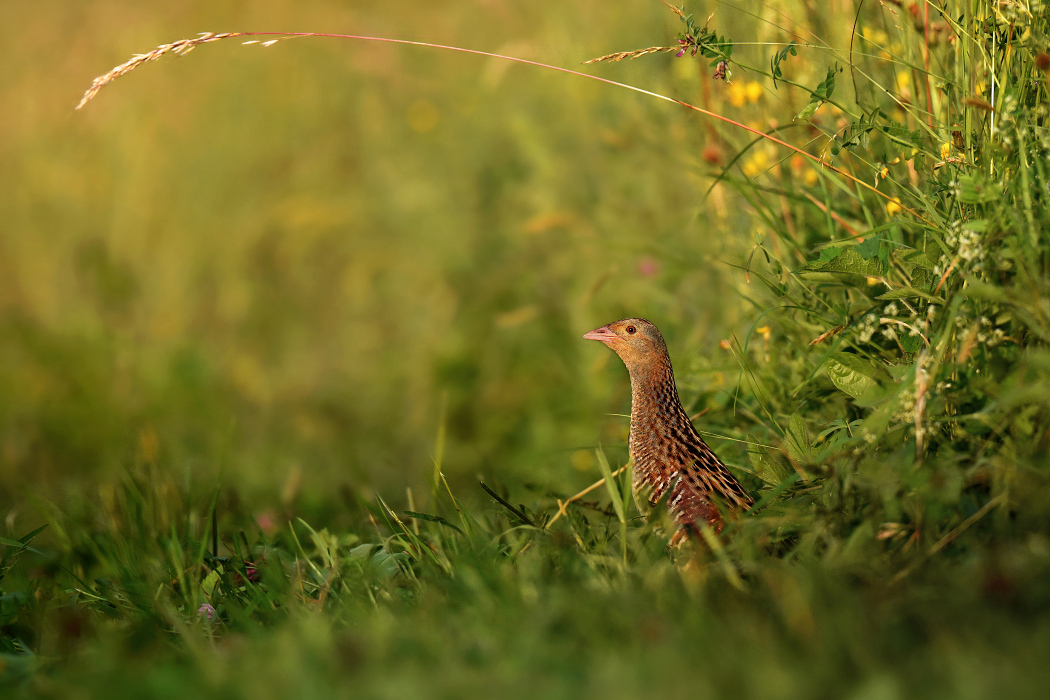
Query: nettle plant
[911, 272]
[904, 254]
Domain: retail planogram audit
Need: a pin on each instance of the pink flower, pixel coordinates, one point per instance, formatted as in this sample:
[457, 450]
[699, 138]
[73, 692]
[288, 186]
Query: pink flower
[207, 611]
[647, 267]
[267, 521]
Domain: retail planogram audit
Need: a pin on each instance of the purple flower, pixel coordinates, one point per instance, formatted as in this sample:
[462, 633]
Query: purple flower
[206, 610]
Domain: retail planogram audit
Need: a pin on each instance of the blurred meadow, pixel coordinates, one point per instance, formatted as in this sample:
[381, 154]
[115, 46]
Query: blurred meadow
[269, 314]
[265, 267]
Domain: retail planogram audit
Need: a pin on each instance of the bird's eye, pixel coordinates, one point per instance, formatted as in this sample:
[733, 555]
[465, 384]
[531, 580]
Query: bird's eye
[631, 330]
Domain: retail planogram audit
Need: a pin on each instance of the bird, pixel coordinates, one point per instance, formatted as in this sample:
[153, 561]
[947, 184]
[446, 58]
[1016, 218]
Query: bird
[668, 456]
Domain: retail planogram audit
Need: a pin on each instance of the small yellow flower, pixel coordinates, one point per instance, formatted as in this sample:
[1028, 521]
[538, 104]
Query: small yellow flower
[893, 206]
[811, 177]
[946, 150]
[753, 91]
[756, 164]
[737, 95]
[872, 281]
[764, 332]
[903, 79]
[582, 460]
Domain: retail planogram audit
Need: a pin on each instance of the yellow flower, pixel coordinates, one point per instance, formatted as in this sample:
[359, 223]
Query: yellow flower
[737, 95]
[903, 79]
[753, 90]
[582, 460]
[946, 150]
[893, 206]
[811, 177]
[756, 164]
[764, 332]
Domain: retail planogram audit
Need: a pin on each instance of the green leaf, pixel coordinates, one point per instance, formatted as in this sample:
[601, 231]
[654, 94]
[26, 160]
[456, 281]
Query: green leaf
[923, 279]
[847, 262]
[778, 58]
[851, 374]
[819, 95]
[974, 189]
[906, 293]
[808, 111]
[830, 253]
[870, 248]
[797, 440]
[432, 518]
[763, 464]
[919, 258]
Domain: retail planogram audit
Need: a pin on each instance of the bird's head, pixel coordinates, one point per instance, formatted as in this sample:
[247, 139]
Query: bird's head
[637, 342]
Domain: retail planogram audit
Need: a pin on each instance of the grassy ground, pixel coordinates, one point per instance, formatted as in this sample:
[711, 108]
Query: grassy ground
[268, 315]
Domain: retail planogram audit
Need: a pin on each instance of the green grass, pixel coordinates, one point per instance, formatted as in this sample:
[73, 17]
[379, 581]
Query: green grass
[268, 316]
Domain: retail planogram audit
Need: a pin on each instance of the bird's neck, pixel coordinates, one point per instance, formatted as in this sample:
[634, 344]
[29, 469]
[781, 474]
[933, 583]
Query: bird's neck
[654, 399]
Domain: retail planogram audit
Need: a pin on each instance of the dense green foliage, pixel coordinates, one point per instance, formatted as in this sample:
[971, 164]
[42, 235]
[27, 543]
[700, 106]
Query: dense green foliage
[254, 365]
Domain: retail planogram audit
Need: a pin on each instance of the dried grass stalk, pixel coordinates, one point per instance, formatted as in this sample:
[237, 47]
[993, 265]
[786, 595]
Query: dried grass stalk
[179, 48]
[632, 54]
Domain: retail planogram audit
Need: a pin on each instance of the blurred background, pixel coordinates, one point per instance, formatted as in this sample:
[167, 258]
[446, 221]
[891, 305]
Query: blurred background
[284, 269]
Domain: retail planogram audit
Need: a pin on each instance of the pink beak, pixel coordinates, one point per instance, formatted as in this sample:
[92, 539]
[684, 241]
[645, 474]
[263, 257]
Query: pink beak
[604, 334]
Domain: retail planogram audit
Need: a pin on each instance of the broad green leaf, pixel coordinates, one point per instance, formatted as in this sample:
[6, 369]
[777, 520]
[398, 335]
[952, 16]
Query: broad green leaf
[870, 248]
[797, 440]
[763, 464]
[830, 253]
[919, 258]
[974, 189]
[851, 374]
[847, 262]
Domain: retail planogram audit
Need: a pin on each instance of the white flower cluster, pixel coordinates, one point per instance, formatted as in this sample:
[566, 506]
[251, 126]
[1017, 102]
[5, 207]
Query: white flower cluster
[906, 406]
[969, 247]
[988, 334]
[867, 327]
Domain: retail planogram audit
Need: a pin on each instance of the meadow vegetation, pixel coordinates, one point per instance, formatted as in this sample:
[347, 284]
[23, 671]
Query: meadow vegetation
[293, 397]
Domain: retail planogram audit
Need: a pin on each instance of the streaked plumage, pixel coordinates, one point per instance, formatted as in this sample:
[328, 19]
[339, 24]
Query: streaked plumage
[666, 451]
